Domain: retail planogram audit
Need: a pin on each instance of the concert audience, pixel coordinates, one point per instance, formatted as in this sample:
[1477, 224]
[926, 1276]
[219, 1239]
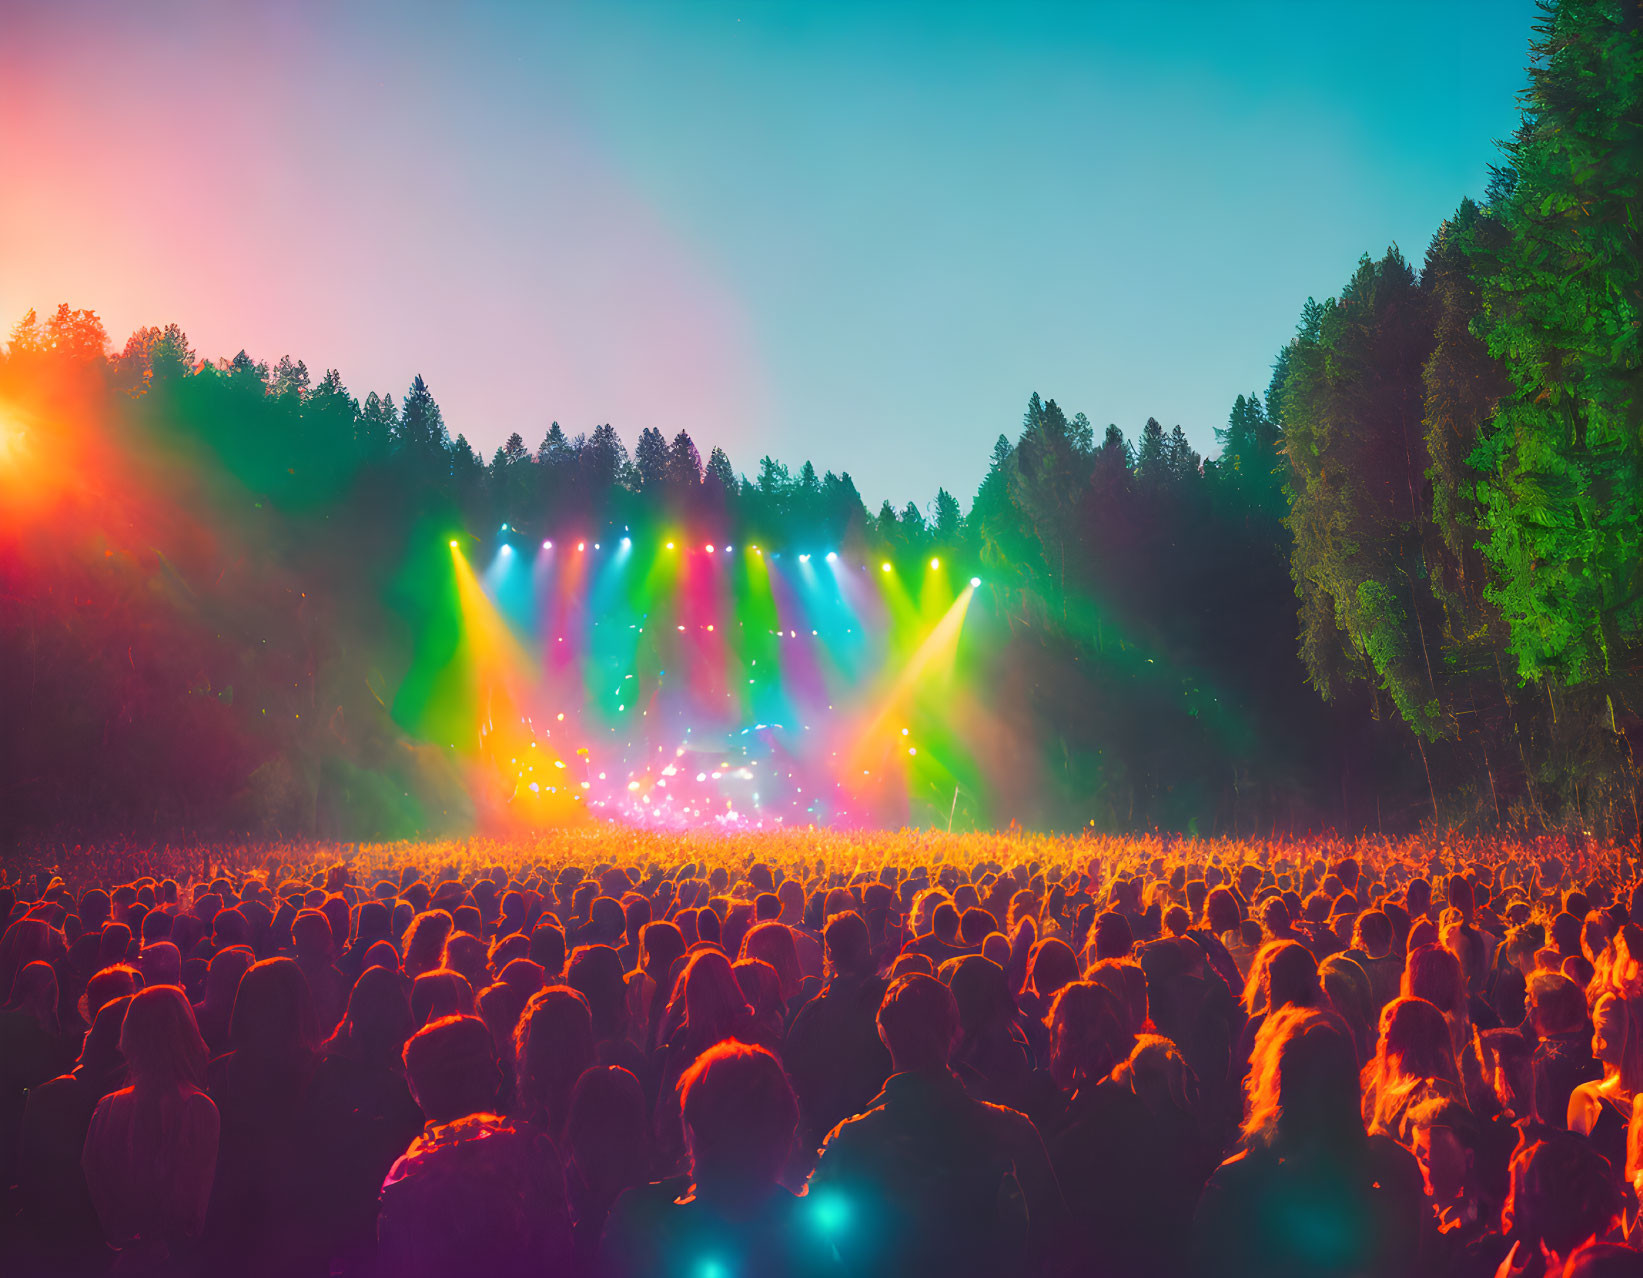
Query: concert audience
[1165, 1065]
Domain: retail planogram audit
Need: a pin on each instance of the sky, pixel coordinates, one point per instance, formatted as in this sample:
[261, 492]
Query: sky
[856, 233]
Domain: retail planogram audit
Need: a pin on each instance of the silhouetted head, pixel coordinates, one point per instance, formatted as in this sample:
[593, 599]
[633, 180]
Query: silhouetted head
[1303, 1084]
[440, 993]
[596, 970]
[739, 1116]
[607, 1130]
[1051, 965]
[451, 1068]
[1089, 1034]
[918, 1023]
[378, 1019]
[553, 1044]
[161, 1043]
[274, 1012]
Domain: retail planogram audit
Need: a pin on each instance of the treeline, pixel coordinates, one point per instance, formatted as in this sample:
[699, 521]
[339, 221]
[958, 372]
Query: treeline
[207, 631]
[1465, 460]
[1408, 589]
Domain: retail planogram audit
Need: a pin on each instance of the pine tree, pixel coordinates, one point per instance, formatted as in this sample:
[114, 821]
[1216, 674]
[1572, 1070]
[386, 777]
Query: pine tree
[603, 460]
[1182, 462]
[1151, 466]
[887, 526]
[1359, 514]
[555, 450]
[1251, 466]
[421, 425]
[720, 474]
[684, 465]
[26, 335]
[155, 354]
[246, 373]
[288, 378]
[1051, 468]
[377, 426]
[1463, 385]
[650, 460]
[1563, 310]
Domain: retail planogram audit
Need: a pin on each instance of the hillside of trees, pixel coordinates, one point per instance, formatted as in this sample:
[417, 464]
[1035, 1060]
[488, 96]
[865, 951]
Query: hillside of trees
[1408, 590]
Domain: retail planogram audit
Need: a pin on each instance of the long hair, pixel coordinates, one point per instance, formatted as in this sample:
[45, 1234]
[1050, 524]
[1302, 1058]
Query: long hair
[35, 991]
[1283, 974]
[553, 1044]
[607, 1131]
[1614, 1016]
[1434, 973]
[423, 945]
[714, 1006]
[1089, 1034]
[161, 1043]
[739, 1116]
[274, 1013]
[773, 942]
[1303, 1085]
[378, 1021]
[1414, 1061]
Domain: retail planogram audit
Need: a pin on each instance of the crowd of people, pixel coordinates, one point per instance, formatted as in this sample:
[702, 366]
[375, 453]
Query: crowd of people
[1176, 1063]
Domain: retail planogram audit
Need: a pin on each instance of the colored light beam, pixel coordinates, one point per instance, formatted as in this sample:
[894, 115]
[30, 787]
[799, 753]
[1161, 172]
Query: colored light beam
[931, 663]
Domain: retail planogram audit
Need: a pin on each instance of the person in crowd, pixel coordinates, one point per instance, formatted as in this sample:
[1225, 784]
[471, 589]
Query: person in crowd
[736, 1217]
[362, 1113]
[1603, 1109]
[661, 949]
[833, 1052]
[315, 947]
[216, 1009]
[1462, 1214]
[1142, 1100]
[151, 1150]
[1414, 1063]
[1562, 1058]
[1078, 994]
[473, 1193]
[60, 1231]
[262, 1218]
[553, 1046]
[1283, 974]
[936, 1182]
[1564, 1197]
[1307, 1155]
[607, 1148]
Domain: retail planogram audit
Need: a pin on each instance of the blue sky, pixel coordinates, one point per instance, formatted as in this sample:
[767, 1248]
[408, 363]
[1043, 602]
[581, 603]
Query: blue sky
[860, 234]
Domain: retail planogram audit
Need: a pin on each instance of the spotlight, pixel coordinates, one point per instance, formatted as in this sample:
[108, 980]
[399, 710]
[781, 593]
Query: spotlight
[547, 545]
[710, 550]
[453, 544]
[581, 545]
[728, 549]
[832, 558]
[507, 549]
[670, 545]
[974, 582]
[935, 564]
[504, 528]
[596, 545]
[885, 566]
[757, 551]
[626, 542]
[804, 559]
